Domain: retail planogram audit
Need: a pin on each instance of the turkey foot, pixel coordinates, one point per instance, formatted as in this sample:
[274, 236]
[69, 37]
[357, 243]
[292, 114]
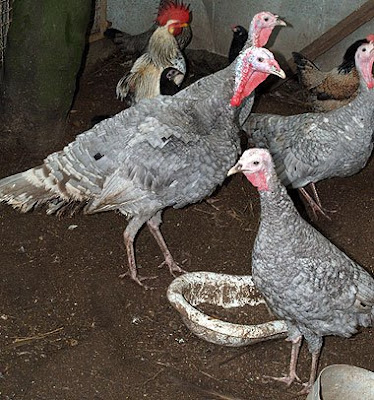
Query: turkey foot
[154, 227]
[288, 380]
[315, 203]
[173, 266]
[138, 279]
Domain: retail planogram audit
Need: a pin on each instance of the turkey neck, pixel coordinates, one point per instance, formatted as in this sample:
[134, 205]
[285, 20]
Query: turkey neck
[359, 111]
[216, 108]
[364, 101]
[280, 221]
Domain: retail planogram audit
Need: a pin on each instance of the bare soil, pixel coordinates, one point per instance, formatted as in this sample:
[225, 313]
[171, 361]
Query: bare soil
[70, 329]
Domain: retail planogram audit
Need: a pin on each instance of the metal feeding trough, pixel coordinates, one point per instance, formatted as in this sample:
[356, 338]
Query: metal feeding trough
[222, 291]
[343, 382]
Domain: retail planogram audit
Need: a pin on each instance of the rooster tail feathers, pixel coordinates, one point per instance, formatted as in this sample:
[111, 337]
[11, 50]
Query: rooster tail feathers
[116, 35]
[126, 86]
[302, 62]
[27, 190]
[309, 74]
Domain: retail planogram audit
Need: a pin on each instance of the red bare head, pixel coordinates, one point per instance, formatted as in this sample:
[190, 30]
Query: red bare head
[364, 59]
[173, 9]
[257, 166]
[253, 66]
[262, 26]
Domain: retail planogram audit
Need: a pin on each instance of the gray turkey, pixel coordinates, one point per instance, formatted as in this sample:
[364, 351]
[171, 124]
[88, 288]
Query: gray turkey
[162, 152]
[304, 278]
[307, 148]
[260, 29]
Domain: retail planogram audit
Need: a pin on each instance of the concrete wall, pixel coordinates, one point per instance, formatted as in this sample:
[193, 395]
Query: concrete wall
[212, 20]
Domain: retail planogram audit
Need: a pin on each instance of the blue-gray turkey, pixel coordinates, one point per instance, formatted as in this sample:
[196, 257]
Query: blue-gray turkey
[304, 278]
[163, 152]
[307, 148]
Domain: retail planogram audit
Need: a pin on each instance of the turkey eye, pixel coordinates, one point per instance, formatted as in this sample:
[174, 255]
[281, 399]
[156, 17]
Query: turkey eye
[266, 19]
[256, 162]
[260, 59]
[364, 49]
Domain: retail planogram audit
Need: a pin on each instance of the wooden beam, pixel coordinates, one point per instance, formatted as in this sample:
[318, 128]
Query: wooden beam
[333, 36]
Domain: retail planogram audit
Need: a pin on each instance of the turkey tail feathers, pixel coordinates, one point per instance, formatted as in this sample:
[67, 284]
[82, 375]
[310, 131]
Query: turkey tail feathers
[27, 190]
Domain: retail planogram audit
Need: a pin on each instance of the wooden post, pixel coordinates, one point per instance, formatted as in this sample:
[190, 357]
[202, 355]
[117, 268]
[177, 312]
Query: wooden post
[44, 52]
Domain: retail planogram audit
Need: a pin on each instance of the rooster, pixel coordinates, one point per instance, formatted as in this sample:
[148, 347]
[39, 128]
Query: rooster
[332, 89]
[143, 81]
[135, 45]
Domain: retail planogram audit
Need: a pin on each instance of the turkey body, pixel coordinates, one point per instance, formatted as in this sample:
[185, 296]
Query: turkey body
[165, 151]
[307, 148]
[162, 152]
[304, 278]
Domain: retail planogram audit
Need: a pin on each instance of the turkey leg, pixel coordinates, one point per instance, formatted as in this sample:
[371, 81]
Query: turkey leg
[296, 344]
[154, 227]
[128, 235]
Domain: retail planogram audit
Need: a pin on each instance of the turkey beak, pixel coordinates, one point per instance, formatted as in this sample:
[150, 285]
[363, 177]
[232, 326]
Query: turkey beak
[280, 22]
[235, 169]
[276, 70]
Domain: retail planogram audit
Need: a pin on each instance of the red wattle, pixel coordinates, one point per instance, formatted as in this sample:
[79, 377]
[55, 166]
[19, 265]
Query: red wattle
[263, 37]
[258, 179]
[235, 100]
[246, 89]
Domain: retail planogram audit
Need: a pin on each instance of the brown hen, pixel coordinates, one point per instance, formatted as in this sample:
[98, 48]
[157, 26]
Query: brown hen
[333, 89]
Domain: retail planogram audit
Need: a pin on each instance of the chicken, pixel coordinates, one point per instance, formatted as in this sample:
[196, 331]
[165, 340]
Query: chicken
[154, 155]
[240, 36]
[307, 148]
[307, 281]
[143, 81]
[170, 82]
[132, 45]
[162, 51]
[332, 89]
[136, 44]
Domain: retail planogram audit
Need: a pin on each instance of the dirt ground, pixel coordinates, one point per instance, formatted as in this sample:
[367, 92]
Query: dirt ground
[70, 329]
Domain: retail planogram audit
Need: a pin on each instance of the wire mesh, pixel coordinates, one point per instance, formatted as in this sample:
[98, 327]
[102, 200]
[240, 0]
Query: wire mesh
[5, 18]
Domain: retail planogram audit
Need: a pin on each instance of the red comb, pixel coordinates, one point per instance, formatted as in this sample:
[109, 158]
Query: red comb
[173, 9]
[370, 38]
